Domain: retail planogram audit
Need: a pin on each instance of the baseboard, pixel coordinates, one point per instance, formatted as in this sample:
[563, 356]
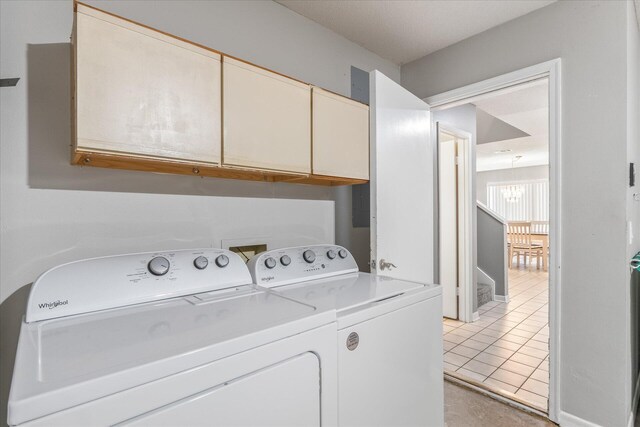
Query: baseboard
[567, 420]
[502, 298]
[475, 316]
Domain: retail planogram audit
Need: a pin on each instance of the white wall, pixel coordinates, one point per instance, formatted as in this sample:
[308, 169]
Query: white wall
[507, 175]
[591, 39]
[633, 207]
[52, 212]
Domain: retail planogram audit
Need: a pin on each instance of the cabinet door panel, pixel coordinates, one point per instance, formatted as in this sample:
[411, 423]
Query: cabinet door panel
[340, 136]
[142, 93]
[267, 119]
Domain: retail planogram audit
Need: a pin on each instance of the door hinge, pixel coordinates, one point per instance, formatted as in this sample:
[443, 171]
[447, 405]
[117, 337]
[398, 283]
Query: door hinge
[458, 291]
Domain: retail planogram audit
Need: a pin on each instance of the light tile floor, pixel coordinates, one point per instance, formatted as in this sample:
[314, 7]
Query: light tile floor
[507, 350]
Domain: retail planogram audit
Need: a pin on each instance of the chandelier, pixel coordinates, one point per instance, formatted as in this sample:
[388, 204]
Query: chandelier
[512, 193]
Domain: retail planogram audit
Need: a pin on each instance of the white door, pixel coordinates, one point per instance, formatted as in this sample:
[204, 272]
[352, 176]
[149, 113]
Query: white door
[448, 220]
[402, 182]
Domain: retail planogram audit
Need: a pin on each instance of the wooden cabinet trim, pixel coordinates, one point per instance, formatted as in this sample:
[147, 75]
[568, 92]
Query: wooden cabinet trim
[138, 163]
[321, 180]
[175, 156]
[151, 164]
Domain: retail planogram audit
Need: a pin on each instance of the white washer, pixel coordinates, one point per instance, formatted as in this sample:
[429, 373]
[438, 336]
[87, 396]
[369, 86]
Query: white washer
[170, 338]
[389, 333]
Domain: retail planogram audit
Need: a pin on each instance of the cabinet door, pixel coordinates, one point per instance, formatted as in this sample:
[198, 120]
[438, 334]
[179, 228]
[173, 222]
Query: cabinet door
[142, 93]
[340, 136]
[267, 119]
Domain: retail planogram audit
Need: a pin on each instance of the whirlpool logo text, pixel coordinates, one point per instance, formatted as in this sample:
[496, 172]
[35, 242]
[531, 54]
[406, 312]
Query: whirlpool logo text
[54, 304]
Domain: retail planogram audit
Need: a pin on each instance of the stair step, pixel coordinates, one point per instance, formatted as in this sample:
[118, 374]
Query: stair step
[484, 294]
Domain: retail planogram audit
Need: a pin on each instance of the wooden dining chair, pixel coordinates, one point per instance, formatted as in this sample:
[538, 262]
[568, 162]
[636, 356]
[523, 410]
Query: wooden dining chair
[519, 237]
[540, 227]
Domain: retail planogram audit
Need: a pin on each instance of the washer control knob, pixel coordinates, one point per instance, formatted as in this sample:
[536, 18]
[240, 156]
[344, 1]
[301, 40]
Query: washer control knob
[309, 256]
[201, 262]
[331, 254]
[342, 253]
[159, 266]
[270, 262]
[285, 260]
[222, 261]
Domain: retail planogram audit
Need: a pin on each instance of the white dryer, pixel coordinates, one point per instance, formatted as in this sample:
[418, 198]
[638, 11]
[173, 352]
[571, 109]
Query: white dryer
[389, 333]
[170, 338]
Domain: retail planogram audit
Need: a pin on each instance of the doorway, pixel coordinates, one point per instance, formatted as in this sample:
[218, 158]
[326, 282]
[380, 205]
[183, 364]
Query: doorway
[454, 221]
[508, 347]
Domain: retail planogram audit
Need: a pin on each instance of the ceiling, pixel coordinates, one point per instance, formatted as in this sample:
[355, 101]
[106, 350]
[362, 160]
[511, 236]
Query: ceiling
[491, 129]
[404, 30]
[527, 110]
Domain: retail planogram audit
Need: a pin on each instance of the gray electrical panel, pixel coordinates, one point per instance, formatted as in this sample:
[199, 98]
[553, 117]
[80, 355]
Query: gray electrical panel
[360, 196]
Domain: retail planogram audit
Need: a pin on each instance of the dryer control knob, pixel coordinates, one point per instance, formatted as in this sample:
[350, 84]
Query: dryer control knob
[201, 262]
[222, 261]
[270, 262]
[342, 253]
[331, 254]
[285, 260]
[159, 266]
[309, 256]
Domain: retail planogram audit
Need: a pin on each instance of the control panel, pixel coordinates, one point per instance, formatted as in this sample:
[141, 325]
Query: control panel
[280, 267]
[116, 281]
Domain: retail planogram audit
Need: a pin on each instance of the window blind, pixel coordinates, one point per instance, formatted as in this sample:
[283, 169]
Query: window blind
[532, 205]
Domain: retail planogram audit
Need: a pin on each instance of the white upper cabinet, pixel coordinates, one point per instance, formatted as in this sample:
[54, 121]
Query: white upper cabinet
[340, 136]
[267, 119]
[142, 93]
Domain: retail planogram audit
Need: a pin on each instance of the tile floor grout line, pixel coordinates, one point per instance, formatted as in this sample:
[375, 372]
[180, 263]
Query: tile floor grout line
[525, 296]
[529, 339]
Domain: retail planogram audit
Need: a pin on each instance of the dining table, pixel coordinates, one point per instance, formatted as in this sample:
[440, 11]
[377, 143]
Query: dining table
[542, 237]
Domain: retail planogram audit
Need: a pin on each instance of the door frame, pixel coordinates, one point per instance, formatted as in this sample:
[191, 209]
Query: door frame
[465, 221]
[552, 71]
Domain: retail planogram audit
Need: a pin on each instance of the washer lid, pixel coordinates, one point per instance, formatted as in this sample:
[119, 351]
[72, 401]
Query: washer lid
[68, 361]
[350, 290]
